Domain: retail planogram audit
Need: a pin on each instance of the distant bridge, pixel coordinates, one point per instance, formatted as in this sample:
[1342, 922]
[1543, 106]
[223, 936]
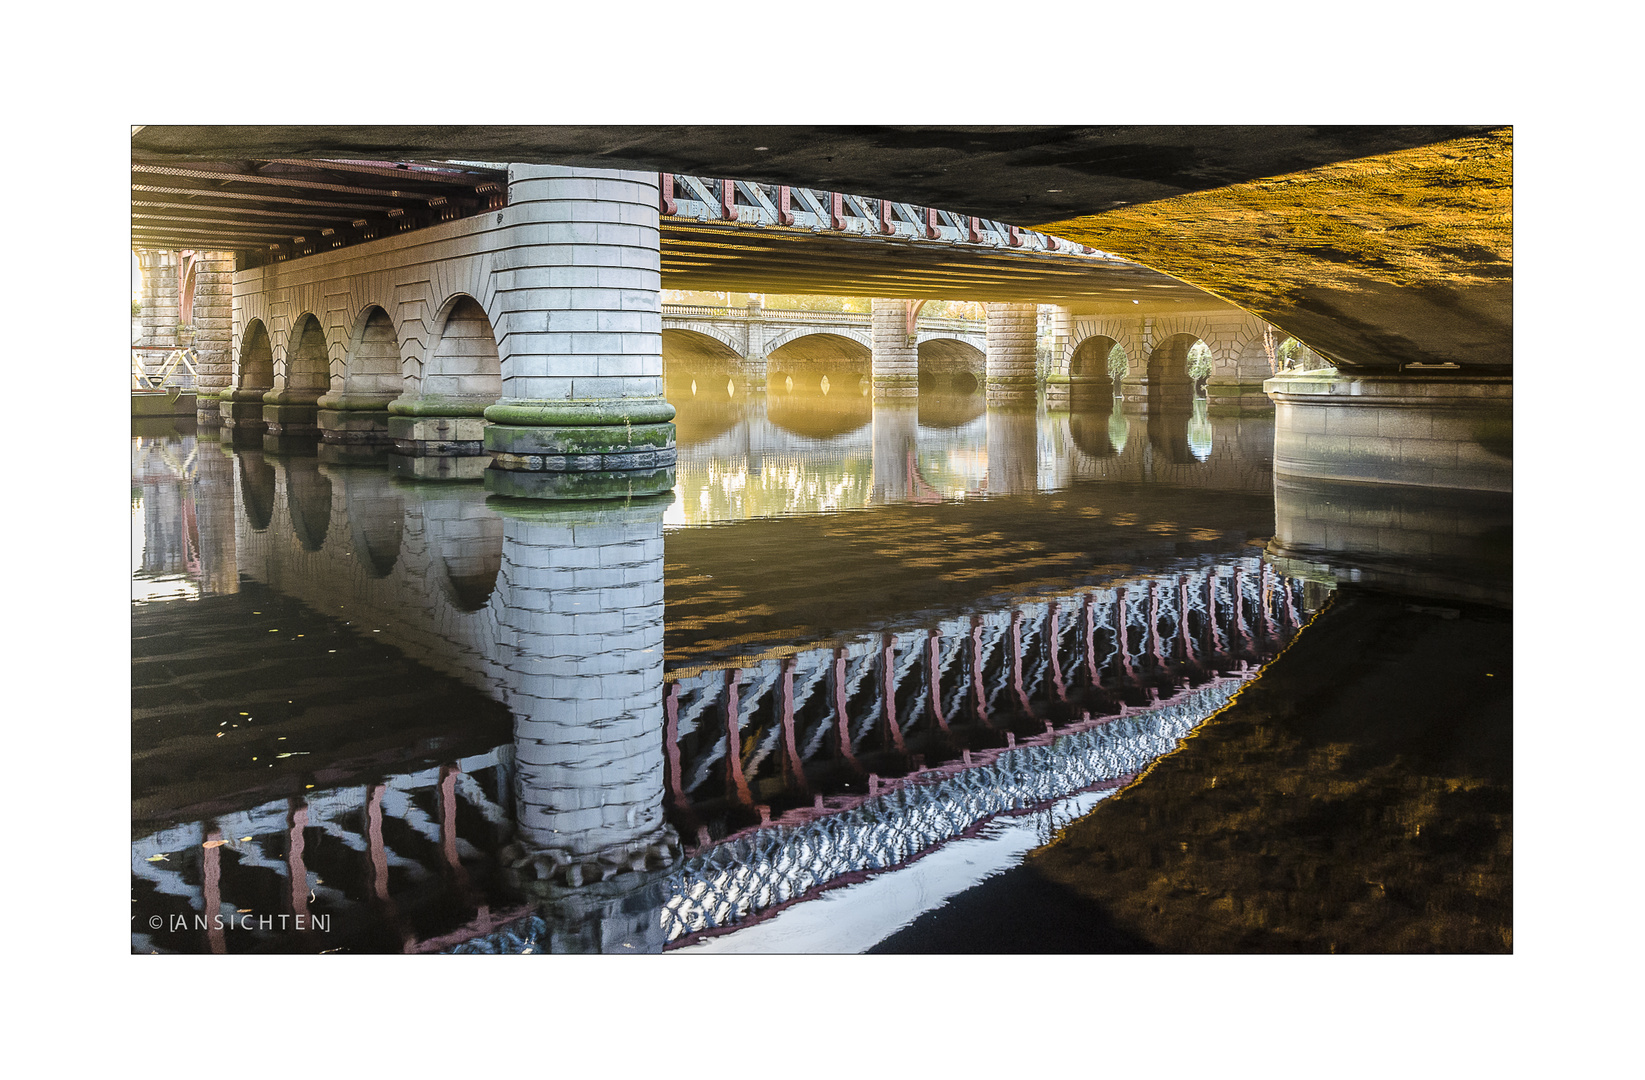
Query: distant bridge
[794, 349]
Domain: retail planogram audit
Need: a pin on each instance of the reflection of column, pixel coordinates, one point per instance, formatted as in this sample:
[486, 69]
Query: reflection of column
[582, 609]
[214, 509]
[582, 414]
[896, 360]
[1013, 450]
[582, 605]
[894, 445]
[1011, 330]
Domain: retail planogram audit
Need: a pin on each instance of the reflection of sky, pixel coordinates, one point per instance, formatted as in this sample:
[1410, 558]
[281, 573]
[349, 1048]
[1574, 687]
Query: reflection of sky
[1199, 431]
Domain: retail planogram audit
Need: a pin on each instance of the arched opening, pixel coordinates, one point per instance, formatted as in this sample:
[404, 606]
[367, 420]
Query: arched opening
[800, 365]
[372, 366]
[1199, 367]
[697, 366]
[308, 501]
[255, 368]
[948, 365]
[463, 364]
[308, 365]
[1169, 384]
[1091, 370]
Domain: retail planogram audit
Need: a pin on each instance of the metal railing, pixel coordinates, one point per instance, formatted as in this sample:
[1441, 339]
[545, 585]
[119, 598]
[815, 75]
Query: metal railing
[173, 370]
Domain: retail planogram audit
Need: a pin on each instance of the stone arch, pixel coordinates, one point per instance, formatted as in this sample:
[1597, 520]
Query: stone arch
[371, 360]
[254, 366]
[307, 360]
[1088, 375]
[807, 355]
[946, 362]
[1167, 371]
[462, 362]
[698, 355]
[1105, 327]
[797, 333]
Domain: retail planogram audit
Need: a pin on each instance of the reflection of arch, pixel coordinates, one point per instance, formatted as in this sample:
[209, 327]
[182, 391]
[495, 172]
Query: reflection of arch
[308, 364]
[707, 418]
[468, 556]
[372, 363]
[376, 523]
[949, 410]
[257, 490]
[255, 366]
[1091, 433]
[1168, 435]
[308, 501]
[463, 362]
[817, 417]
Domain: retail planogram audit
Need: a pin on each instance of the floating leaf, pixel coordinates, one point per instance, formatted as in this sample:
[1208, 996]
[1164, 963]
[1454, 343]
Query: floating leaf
[157, 858]
[213, 843]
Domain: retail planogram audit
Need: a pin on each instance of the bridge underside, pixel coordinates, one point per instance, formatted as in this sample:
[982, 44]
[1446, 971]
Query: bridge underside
[1379, 246]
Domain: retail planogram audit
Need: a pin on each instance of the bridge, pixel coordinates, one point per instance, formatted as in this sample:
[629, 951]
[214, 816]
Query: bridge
[797, 349]
[422, 300]
[779, 773]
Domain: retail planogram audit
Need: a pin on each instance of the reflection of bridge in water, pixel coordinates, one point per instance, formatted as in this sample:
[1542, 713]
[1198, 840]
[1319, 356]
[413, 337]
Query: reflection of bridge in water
[635, 807]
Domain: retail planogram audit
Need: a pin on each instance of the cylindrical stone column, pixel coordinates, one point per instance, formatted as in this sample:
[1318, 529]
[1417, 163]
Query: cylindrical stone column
[581, 617]
[582, 415]
[1010, 334]
[213, 296]
[896, 357]
[160, 311]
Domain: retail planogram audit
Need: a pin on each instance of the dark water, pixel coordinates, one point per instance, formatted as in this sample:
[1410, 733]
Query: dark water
[917, 677]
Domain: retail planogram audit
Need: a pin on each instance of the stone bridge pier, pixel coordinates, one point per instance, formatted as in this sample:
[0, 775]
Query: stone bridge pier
[1012, 330]
[896, 362]
[522, 344]
[582, 413]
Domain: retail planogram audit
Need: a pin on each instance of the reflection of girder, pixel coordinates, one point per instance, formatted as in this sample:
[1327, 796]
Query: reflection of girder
[727, 884]
[1139, 639]
[262, 842]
